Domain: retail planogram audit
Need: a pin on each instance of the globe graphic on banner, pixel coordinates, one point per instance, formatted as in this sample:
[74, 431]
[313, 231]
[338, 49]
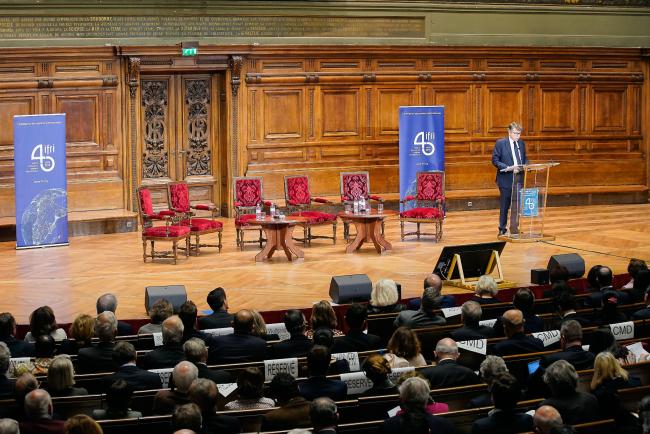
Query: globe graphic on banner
[41, 218]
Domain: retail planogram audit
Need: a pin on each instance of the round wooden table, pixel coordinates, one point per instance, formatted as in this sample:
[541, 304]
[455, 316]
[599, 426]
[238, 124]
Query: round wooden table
[368, 228]
[278, 235]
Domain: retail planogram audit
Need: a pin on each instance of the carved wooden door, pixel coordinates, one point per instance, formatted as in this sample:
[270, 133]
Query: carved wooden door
[180, 133]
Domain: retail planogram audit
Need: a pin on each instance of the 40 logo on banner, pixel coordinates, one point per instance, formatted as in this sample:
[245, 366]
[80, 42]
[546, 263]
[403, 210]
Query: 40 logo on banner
[43, 154]
[530, 201]
[425, 140]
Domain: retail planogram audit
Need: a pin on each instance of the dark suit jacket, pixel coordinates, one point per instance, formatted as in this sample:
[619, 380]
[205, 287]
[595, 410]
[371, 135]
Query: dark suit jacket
[166, 401]
[96, 358]
[437, 425]
[595, 299]
[214, 423]
[418, 319]
[138, 378]
[315, 387]
[584, 322]
[42, 426]
[124, 328]
[576, 408]
[296, 346]
[216, 375]
[503, 422]
[471, 332]
[356, 340]
[639, 314]
[216, 320]
[166, 356]
[237, 348]
[294, 414]
[19, 348]
[448, 373]
[502, 158]
[519, 343]
[6, 386]
[579, 358]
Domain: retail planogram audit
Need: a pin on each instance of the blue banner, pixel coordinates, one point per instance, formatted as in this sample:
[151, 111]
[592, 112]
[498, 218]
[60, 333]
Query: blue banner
[421, 144]
[530, 199]
[40, 180]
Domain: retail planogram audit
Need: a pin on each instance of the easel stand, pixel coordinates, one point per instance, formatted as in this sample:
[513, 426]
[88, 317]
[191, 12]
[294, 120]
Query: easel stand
[456, 267]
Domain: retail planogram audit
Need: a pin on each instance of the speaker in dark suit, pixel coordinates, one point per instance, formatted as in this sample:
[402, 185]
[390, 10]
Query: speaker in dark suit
[507, 152]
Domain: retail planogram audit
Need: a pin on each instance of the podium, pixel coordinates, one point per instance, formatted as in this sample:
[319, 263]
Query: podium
[528, 203]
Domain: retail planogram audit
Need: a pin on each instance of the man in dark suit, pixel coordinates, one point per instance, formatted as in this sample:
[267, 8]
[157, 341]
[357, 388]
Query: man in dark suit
[294, 409]
[645, 312]
[565, 305]
[324, 416]
[426, 316]
[509, 151]
[109, 302]
[604, 279]
[219, 317]
[317, 385]
[356, 340]
[470, 315]
[18, 348]
[99, 357]
[572, 352]
[447, 372]
[431, 281]
[504, 419]
[241, 346]
[188, 313]
[575, 407]
[197, 353]
[203, 393]
[298, 344]
[6, 384]
[124, 356]
[517, 342]
[171, 351]
[183, 375]
[38, 414]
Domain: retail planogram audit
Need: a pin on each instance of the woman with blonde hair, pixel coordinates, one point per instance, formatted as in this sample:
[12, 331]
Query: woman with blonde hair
[404, 349]
[384, 297]
[259, 328]
[323, 315]
[486, 290]
[608, 378]
[82, 330]
[60, 378]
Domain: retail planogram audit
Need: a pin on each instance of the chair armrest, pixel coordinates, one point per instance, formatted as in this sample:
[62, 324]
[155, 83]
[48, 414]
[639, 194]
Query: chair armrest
[375, 198]
[203, 207]
[292, 202]
[321, 200]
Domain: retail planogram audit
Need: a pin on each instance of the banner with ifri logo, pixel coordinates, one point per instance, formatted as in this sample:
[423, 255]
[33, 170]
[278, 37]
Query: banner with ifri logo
[421, 145]
[40, 181]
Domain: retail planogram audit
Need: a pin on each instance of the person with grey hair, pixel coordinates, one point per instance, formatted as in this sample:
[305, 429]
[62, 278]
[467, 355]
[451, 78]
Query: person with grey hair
[6, 384]
[486, 290]
[470, 315]
[99, 356]
[546, 418]
[572, 351]
[433, 281]
[490, 368]
[108, 302]
[574, 406]
[183, 375]
[187, 416]
[9, 426]
[384, 297]
[38, 414]
[197, 353]
[504, 418]
[171, 351]
[324, 415]
[447, 372]
[426, 316]
[414, 396]
[203, 393]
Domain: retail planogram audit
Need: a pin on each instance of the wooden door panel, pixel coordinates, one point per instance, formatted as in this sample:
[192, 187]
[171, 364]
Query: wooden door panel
[457, 108]
[389, 101]
[340, 112]
[609, 109]
[11, 106]
[504, 104]
[283, 111]
[559, 109]
[157, 129]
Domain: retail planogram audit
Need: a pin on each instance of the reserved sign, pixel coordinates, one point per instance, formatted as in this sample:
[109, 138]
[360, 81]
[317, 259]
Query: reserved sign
[275, 366]
[352, 358]
[164, 374]
[357, 382]
[549, 337]
[478, 346]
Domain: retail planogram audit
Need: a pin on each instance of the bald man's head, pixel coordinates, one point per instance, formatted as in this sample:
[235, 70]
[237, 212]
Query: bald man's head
[433, 281]
[513, 322]
[446, 349]
[243, 322]
[546, 418]
[38, 405]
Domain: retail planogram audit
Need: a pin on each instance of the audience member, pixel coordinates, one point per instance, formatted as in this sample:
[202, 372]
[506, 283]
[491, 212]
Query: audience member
[403, 349]
[38, 414]
[645, 312]
[124, 358]
[486, 291]
[60, 378]
[491, 367]
[187, 417]
[426, 316]
[99, 357]
[203, 393]
[171, 351]
[609, 313]
[565, 305]
[603, 280]
[158, 312]
[9, 426]
[633, 267]
[118, 399]
[609, 377]
[356, 339]
[433, 281]
[377, 369]
[574, 406]
[504, 418]
[108, 302]
[470, 316]
[384, 297]
[644, 414]
[298, 344]
[323, 315]
[44, 349]
[640, 286]
[219, 317]
[524, 300]
[447, 372]
[183, 375]
[17, 347]
[81, 330]
[318, 362]
[259, 328]
[558, 273]
[250, 387]
[546, 418]
[517, 342]
[188, 313]
[602, 339]
[81, 424]
[294, 409]
[414, 396]
[6, 384]
[325, 337]
[43, 322]
[432, 406]
[324, 415]
[241, 346]
[24, 384]
[197, 353]
[572, 351]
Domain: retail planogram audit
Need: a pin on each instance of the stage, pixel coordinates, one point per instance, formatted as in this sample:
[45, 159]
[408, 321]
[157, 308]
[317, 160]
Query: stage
[70, 278]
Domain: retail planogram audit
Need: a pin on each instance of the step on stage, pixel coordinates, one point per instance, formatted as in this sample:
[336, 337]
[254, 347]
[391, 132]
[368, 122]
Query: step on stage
[71, 278]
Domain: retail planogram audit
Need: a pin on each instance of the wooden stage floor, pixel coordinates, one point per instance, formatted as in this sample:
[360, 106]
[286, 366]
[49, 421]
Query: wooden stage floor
[70, 278]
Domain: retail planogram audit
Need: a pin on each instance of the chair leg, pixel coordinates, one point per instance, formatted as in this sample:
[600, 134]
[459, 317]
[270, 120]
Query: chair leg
[174, 249]
[219, 246]
[153, 254]
[198, 246]
[401, 227]
[309, 235]
[187, 247]
[144, 250]
[304, 236]
[334, 232]
[382, 228]
[241, 239]
[418, 230]
[346, 231]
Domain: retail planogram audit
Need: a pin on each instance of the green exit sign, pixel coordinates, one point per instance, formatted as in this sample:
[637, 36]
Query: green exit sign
[193, 51]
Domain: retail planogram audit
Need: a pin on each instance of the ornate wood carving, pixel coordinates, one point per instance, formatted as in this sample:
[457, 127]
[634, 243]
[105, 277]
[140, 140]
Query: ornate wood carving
[197, 102]
[134, 75]
[155, 159]
[236, 63]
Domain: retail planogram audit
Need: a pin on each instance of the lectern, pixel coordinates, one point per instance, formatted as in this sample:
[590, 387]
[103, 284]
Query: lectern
[528, 203]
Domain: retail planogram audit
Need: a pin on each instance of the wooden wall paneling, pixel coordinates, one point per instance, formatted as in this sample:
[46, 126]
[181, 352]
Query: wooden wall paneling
[283, 111]
[389, 100]
[340, 112]
[557, 109]
[609, 108]
[503, 104]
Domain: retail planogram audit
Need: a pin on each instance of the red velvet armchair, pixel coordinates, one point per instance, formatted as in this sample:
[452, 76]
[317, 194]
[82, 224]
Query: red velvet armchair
[169, 232]
[354, 186]
[430, 200]
[299, 202]
[248, 192]
[178, 198]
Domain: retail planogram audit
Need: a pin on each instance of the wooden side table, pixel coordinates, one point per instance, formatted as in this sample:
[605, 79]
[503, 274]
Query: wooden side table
[278, 234]
[368, 228]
